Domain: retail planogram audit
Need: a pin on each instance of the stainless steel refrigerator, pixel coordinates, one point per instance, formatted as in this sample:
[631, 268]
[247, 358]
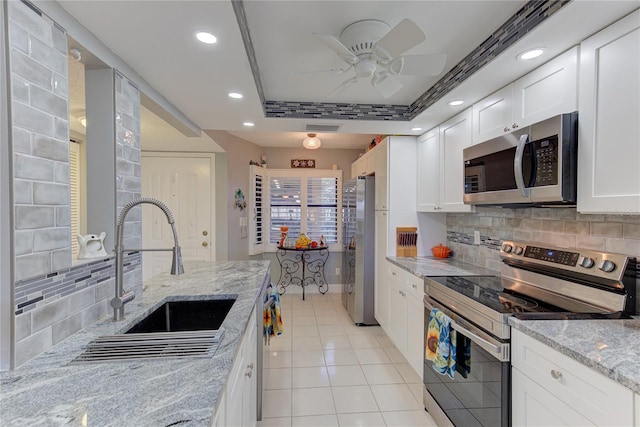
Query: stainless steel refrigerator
[358, 256]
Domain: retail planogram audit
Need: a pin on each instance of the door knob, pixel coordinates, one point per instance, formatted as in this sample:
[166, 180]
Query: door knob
[205, 244]
[205, 233]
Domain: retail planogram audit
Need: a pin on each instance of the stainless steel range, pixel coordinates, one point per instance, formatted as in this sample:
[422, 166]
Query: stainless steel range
[538, 282]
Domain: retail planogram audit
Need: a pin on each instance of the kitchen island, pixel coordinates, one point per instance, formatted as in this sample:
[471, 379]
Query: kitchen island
[48, 390]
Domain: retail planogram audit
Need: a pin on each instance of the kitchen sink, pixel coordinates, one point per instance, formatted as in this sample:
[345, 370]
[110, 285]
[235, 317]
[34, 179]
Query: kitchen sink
[182, 316]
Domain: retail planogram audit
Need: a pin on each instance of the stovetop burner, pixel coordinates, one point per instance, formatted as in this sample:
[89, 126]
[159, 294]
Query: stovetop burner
[488, 290]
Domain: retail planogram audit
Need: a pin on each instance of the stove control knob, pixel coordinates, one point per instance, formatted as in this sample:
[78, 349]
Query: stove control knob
[518, 250]
[606, 266]
[507, 248]
[585, 261]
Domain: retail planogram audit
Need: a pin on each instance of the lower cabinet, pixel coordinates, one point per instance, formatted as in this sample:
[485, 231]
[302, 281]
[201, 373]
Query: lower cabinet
[406, 315]
[242, 387]
[549, 388]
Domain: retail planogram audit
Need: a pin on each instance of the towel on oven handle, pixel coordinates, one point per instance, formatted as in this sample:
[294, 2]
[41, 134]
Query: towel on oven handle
[271, 316]
[440, 345]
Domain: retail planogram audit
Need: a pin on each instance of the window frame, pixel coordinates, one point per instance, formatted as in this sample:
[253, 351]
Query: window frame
[303, 174]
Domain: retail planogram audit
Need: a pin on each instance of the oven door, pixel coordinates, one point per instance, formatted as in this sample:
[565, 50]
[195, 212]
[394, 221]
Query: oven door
[482, 398]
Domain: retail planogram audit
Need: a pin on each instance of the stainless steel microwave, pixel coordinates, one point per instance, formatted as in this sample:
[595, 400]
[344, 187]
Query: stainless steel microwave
[535, 165]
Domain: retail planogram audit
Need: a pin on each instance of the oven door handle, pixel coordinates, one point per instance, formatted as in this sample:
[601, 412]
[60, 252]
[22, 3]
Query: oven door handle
[473, 337]
[517, 165]
[499, 351]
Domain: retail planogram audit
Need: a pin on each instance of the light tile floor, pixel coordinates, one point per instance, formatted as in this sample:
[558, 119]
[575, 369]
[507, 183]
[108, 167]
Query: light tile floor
[325, 371]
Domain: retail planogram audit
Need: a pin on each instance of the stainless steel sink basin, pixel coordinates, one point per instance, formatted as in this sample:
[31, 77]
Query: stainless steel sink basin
[176, 329]
[181, 316]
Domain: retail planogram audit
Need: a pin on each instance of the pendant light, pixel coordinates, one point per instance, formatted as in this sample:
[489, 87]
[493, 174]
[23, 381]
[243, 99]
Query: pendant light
[311, 142]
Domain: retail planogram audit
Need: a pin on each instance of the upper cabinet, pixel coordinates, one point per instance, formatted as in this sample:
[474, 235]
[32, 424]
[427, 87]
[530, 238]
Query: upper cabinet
[609, 129]
[545, 92]
[440, 184]
[365, 165]
[382, 175]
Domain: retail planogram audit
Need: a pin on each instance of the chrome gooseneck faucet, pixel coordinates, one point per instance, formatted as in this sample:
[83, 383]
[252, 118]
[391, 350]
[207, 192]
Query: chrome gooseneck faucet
[121, 297]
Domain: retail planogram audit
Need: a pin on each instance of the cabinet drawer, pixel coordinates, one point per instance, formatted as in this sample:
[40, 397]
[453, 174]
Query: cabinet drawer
[598, 398]
[395, 272]
[415, 285]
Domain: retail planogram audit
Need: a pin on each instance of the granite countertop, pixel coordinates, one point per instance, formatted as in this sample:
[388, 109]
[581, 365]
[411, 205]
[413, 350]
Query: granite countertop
[433, 267]
[48, 391]
[611, 347]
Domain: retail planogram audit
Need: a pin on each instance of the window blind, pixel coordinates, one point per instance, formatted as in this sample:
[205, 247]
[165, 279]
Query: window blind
[286, 204]
[322, 208]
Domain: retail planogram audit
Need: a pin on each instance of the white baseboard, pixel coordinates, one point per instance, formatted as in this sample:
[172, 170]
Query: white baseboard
[334, 288]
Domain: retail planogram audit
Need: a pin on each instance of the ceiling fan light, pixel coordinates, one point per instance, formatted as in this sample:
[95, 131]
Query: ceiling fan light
[311, 142]
[396, 66]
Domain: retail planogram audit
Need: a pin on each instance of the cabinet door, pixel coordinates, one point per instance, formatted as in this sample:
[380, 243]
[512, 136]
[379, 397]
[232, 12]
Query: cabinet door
[371, 162]
[398, 315]
[428, 184]
[250, 388]
[547, 91]
[493, 115]
[455, 135]
[609, 129]
[415, 333]
[235, 388]
[381, 286]
[382, 176]
[535, 406]
[220, 419]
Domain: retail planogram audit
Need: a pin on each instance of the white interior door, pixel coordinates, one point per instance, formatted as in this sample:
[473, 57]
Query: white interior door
[184, 184]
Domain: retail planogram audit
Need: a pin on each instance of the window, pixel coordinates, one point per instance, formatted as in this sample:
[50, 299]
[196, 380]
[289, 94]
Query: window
[306, 201]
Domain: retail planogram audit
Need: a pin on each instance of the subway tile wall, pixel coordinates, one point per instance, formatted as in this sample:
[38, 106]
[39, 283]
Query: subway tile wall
[39, 105]
[128, 172]
[563, 227]
[54, 306]
[52, 299]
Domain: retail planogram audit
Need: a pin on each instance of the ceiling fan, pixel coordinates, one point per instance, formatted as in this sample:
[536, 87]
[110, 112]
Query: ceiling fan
[374, 51]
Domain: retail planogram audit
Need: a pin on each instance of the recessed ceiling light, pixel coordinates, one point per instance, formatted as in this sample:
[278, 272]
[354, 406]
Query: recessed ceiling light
[248, 124]
[416, 129]
[206, 38]
[235, 95]
[456, 102]
[531, 54]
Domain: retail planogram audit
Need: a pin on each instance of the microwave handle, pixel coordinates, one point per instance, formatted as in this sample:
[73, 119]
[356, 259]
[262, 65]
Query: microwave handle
[517, 165]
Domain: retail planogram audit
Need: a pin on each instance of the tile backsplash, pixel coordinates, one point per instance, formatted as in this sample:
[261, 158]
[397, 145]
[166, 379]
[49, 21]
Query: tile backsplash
[563, 227]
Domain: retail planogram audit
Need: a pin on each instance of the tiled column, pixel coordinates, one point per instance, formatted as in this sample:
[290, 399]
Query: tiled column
[40, 127]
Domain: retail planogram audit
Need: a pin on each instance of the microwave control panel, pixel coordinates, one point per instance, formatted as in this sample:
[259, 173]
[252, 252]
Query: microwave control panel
[546, 161]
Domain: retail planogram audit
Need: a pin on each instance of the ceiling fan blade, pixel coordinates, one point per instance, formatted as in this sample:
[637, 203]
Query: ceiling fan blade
[341, 50]
[331, 71]
[345, 84]
[387, 85]
[423, 65]
[400, 39]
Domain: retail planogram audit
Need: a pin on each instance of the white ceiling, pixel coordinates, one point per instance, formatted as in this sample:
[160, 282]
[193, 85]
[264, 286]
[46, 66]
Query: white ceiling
[155, 38]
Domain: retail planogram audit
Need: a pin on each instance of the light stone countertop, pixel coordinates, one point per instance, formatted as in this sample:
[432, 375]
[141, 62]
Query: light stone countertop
[47, 391]
[611, 347]
[433, 267]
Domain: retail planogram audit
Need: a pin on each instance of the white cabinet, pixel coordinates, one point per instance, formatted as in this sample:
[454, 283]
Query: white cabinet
[365, 165]
[549, 388]
[609, 129]
[220, 419]
[455, 135]
[549, 90]
[382, 175]
[406, 319]
[428, 183]
[381, 281]
[637, 410]
[242, 386]
[440, 171]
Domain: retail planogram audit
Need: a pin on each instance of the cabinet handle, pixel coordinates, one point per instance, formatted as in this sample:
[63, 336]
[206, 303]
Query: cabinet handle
[248, 373]
[506, 129]
[250, 365]
[514, 126]
[414, 286]
[556, 374]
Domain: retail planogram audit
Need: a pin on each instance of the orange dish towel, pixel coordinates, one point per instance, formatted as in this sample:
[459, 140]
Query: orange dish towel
[272, 318]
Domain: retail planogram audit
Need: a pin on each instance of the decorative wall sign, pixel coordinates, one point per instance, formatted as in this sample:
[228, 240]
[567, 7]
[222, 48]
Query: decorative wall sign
[303, 163]
[240, 202]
